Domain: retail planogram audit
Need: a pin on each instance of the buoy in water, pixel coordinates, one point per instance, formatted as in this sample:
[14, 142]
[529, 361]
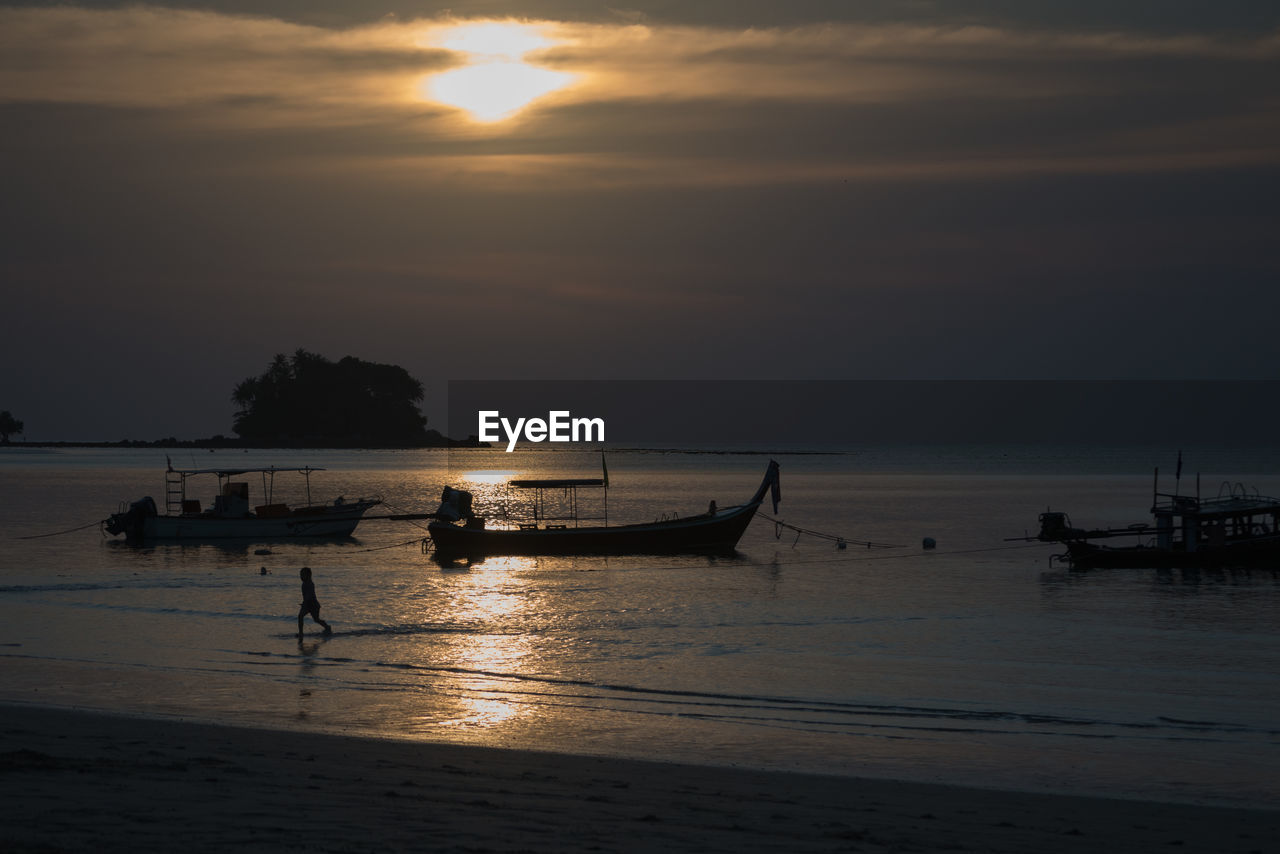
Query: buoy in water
[929, 543]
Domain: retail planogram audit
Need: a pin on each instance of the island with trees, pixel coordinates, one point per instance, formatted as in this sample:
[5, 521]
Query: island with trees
[308, 401]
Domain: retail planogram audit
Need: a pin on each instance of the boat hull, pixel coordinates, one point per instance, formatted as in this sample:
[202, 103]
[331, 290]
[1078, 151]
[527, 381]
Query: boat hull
[328, 521]
[182, 528]
[1256, 552]
[717, 534]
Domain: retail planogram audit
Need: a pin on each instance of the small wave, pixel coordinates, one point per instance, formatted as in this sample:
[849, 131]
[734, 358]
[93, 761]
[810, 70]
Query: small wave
[57, 588]
[132, 584]
[831, 716]
[415, 629]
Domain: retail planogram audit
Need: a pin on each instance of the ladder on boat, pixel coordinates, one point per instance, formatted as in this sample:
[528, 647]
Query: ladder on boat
[174, 491]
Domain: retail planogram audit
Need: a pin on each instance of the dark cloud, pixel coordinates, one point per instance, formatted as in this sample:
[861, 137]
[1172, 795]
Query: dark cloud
[797, 413]
[1148, 15]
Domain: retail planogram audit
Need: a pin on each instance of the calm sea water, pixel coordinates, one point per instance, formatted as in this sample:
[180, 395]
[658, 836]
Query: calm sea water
[980, 662]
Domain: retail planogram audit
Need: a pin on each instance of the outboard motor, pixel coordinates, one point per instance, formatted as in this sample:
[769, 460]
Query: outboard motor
[455, 505]
[1056, 527]
[132, 522]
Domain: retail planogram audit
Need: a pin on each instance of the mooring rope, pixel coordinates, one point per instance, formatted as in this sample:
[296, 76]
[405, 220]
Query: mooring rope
[840, 541]
[934, 553]
[60, 533]
[392, 546]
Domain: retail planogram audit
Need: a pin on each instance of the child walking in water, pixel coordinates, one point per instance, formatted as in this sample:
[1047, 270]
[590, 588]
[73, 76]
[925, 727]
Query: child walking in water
[310, 604]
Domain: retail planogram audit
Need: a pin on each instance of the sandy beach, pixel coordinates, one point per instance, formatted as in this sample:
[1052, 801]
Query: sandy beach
[75, 780]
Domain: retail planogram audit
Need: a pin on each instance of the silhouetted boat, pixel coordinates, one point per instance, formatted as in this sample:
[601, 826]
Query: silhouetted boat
[716, 531]
[231, 517]
[1233, 529]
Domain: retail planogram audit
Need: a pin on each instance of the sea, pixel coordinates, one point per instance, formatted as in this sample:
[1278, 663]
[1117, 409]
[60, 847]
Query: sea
[984, 660]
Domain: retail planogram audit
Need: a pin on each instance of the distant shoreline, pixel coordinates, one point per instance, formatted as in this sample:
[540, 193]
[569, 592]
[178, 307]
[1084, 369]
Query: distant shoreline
[220, 442]
[179, 444]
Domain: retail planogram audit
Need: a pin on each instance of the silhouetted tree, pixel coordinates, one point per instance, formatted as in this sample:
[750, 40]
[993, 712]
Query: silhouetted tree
[8, 426]
[307, 398]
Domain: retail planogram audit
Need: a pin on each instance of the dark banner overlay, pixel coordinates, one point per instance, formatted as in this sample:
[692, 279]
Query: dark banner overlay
[810, 415]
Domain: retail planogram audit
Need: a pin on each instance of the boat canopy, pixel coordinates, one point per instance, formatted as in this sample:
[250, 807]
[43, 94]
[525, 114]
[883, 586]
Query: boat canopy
[234, 472]
[176, 483]
[558, 483]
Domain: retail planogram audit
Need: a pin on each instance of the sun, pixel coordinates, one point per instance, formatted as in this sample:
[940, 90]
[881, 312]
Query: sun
[496, 83]
[492, 91]
[501, 39]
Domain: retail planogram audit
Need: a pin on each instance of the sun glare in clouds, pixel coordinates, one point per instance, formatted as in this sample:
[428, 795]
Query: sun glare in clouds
[496, 83]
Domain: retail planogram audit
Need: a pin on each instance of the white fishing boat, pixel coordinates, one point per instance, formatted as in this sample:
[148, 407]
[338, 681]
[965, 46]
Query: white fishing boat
[232, 514]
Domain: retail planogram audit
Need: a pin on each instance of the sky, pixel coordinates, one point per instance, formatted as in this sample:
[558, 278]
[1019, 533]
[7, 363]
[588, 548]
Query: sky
[563, 190]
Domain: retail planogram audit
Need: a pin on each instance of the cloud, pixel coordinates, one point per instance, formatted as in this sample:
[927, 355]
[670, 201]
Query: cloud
[866, 197]
[156, 58]
[661, 104]
[152, 56]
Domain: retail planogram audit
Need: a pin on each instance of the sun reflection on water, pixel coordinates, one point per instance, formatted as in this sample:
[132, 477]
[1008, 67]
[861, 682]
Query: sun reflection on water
[488, 476]
[500, 644]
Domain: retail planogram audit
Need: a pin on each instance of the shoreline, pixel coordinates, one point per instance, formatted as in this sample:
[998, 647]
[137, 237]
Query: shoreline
[225, 444]
[77, 780]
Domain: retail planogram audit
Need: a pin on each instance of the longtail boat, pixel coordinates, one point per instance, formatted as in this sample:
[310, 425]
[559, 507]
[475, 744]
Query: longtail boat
[457, 531]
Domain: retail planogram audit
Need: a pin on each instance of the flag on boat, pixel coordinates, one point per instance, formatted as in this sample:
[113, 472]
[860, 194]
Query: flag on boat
[775, 488]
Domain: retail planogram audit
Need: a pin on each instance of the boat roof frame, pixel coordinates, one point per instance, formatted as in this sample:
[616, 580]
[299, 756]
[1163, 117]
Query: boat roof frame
[570, 485]
[236, 471]
[268, 480]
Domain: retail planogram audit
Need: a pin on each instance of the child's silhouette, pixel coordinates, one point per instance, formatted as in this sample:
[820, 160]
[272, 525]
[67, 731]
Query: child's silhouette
[310, 604]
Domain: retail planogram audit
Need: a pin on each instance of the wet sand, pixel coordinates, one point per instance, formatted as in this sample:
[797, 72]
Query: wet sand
[78, 781]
